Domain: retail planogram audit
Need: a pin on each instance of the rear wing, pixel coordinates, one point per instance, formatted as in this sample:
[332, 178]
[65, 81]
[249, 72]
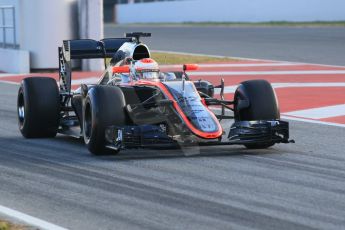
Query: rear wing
[84, 49]
[89, 49]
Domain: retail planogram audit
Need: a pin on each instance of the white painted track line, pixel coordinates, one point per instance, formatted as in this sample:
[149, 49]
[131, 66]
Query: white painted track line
[307, 84]
[287, 117]
[215, 65]
[88, 80]
[10, 74]
[30, 220]
[296, 72]
[320, 113]
[10, 82]
[312, 121]
[232, 88]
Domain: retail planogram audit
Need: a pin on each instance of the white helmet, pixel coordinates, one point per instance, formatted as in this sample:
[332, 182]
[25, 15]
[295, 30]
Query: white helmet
[147, 68]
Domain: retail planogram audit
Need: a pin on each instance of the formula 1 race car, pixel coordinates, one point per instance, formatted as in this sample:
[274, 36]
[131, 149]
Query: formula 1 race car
[135, 105]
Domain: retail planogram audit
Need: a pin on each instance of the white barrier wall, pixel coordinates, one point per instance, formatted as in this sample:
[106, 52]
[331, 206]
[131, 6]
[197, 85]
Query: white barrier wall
[8, 20]
[91, 26]
[14, 61]
[43, 26]
[231, 11]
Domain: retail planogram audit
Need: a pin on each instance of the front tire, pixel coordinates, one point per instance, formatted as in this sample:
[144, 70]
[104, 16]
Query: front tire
[103, 107]
[256, 100]
[38, 107]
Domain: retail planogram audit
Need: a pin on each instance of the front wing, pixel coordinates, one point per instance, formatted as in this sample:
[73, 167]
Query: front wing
[241, 132]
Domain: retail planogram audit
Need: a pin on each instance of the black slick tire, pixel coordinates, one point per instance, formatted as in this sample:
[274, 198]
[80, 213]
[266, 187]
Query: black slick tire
[38, 107]
[260, 103]
[103, 107]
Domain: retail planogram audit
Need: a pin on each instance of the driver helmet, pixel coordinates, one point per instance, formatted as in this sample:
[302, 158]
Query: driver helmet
[147, 69]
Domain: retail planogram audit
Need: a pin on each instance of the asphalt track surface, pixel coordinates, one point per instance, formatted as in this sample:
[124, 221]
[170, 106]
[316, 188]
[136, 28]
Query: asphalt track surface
[320, 45]
[294, 186]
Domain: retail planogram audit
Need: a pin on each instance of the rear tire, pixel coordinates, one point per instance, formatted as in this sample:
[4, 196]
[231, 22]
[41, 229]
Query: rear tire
[262, 105]
[103, 107]
[38, 107]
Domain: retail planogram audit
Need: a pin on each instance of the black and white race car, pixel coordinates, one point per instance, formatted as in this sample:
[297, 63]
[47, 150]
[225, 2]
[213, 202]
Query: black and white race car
[135, 105]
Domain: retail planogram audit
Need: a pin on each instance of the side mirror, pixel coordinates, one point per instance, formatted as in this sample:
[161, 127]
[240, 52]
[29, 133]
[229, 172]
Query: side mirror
[190, 67]
[121, 69]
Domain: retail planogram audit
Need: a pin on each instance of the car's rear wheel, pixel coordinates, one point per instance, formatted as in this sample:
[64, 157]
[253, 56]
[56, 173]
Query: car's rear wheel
[256, 100]
[38, 107]
[103, 107]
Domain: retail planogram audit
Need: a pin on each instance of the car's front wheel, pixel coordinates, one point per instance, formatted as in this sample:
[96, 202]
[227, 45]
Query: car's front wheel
[256, 100]
[103, 107]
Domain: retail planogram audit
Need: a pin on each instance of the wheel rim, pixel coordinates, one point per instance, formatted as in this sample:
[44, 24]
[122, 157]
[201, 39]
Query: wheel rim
[21, 109]
[87, 123]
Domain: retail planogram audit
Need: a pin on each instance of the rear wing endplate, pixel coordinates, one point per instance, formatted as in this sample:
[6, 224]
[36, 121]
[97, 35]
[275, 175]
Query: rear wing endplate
[89, 49]
[84, 49]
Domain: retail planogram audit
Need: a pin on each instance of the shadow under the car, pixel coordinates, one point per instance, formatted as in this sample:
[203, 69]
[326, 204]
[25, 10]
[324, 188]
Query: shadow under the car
[166, 153]
[203, 151]
[74, 146]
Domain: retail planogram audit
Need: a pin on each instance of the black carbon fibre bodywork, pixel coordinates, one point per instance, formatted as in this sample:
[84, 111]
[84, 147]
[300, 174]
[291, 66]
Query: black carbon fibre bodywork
[168, 113]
